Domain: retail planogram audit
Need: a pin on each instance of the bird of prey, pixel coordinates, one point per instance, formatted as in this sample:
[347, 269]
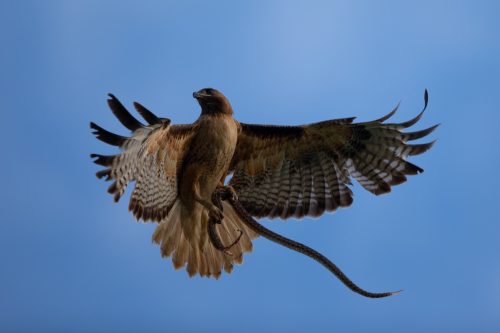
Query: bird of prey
[277, 171]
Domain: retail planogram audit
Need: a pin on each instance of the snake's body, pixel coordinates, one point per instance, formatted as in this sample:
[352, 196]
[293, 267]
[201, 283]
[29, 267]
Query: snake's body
[226, 193]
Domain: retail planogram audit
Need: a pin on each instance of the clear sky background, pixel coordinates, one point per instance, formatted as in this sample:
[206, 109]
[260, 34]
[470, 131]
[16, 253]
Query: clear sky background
[73, 261]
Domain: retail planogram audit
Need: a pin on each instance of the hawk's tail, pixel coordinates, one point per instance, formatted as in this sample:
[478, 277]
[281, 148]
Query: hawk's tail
[183, 235]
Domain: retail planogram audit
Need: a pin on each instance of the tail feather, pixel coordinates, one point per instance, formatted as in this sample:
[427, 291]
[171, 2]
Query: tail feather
[184, 238]
[181, 254]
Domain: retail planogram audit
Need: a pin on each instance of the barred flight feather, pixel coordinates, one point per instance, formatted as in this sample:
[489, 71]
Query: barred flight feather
[107, 137]
[149, 157]
[122, 114]
[317, 162]
[149, 116]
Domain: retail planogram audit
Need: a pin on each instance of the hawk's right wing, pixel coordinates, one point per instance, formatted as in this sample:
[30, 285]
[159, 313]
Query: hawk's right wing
[150, 157]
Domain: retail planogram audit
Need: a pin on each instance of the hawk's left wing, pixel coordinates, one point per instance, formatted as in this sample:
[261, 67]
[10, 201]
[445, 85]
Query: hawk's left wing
[294, 171]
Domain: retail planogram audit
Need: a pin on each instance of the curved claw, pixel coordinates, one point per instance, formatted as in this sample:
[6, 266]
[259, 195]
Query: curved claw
[216, 213]
[223, 193]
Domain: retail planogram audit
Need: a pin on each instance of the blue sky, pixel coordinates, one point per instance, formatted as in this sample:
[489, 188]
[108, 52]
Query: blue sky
[72, 261]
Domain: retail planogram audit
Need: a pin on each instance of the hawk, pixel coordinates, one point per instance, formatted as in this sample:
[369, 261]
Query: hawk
[277, 171]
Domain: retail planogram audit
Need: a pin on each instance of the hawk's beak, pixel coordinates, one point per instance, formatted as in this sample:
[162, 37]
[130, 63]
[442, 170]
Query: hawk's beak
[198, 95]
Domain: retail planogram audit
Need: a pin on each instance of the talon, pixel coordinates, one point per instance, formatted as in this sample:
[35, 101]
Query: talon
[216, 216]
[216, 213]
[232, 193]
[217, 197]
[224, 193]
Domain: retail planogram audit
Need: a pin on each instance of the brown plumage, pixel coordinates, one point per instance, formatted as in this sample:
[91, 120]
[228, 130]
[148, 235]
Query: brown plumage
[278, 171]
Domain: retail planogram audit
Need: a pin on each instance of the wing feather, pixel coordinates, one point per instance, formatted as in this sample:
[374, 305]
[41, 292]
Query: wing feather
[107, 137]
[150, 157]
[122, 114]
[149, 116]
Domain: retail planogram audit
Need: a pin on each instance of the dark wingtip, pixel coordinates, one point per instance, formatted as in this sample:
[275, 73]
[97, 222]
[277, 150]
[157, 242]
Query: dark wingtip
[94, 126]
[122, 114]
[390, 114]
[103, 173]
[426, 99]
[420, 148]
[419, 134]
[106, 136]
[104, 160]
[149, 116]
[411, 122]
[347, 120]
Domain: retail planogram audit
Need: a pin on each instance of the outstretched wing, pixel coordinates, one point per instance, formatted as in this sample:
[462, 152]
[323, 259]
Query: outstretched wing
[294, 171]
[150, 156]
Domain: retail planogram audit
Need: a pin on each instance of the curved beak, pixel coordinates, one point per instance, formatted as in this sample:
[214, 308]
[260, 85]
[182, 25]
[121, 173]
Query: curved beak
[199, 94]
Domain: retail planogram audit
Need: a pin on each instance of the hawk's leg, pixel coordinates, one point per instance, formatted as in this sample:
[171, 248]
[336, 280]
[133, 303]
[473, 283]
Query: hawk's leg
[217, 198]
[213, 210]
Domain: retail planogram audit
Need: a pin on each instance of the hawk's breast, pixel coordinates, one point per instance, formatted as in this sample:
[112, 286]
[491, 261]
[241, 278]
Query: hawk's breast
[212, 150]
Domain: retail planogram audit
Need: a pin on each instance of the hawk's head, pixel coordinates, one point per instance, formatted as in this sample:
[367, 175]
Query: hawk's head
[213, 101]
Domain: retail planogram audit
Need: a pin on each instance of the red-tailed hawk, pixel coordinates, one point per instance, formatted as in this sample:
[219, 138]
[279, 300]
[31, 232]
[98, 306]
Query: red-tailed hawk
[278, 171]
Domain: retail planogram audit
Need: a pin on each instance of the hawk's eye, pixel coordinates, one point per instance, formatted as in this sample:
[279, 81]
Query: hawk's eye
[208, 91]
